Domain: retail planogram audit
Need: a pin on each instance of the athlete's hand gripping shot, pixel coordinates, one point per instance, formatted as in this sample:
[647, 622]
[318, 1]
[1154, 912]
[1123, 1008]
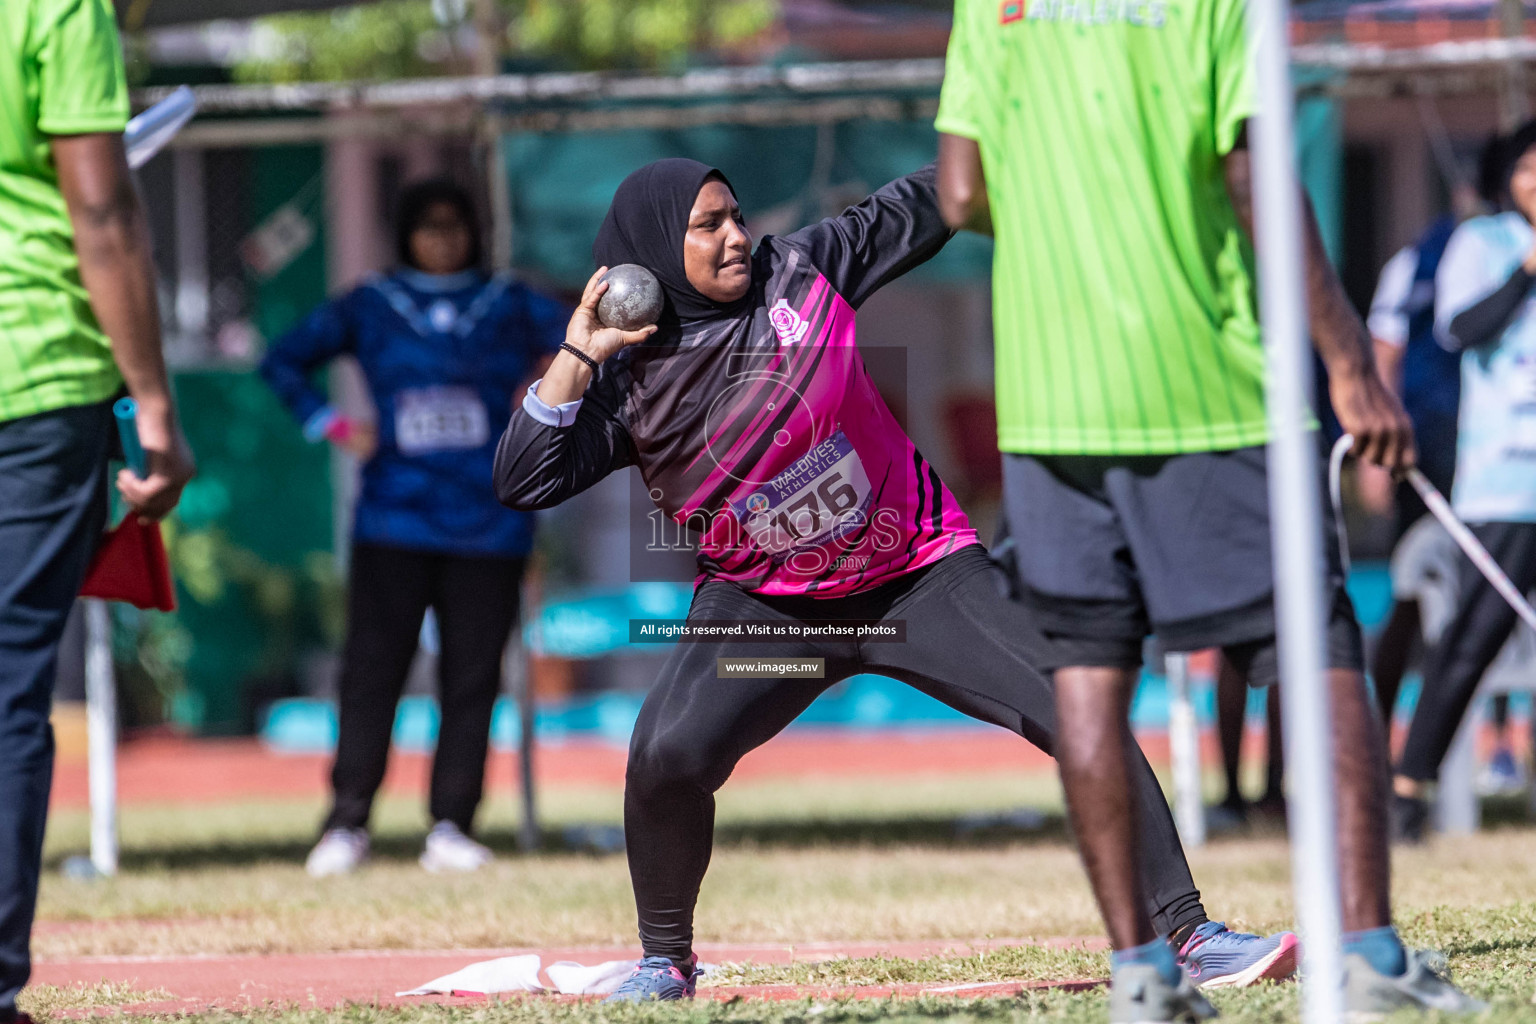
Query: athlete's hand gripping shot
[752, 418]
[588, 345]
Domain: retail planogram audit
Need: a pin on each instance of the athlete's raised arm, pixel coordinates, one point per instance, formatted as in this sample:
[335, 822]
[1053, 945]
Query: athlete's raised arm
[876, 241]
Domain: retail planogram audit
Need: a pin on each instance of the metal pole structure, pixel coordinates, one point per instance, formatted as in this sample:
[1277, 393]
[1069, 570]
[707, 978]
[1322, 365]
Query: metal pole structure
[1295, 515]
[1514, 105]
[500, 194]
[101, 736]
[487, 61]
[1184, 744]
[191, 249]
[528, 835]
[516, 668]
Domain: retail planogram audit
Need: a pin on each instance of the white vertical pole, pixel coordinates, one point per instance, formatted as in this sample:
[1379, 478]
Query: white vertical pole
[1294, 507]
[101, 736]
[1184, 745]
[191, 248]
[1458, 811]
[528, 836]
[527, 736]
[489, 26]
[500, 198]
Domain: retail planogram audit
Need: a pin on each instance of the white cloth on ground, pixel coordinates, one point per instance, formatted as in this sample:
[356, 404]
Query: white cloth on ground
[521, 974]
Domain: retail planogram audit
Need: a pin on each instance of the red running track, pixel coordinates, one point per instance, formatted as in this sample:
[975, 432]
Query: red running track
[160, 769]
[329, 980]
[170, 770]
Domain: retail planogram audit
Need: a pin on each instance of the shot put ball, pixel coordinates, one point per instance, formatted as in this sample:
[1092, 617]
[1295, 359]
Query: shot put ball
[633, 299]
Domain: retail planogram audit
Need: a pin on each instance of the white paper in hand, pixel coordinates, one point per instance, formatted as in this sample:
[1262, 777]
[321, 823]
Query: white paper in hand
[148, 133]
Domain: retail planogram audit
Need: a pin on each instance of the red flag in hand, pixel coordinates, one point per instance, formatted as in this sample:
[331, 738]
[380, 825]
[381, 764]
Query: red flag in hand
[130, 565]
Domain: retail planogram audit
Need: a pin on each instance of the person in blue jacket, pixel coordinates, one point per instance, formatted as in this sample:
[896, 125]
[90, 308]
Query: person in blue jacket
[443, 347]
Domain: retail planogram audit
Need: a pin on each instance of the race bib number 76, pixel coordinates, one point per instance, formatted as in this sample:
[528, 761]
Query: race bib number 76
[823, 497]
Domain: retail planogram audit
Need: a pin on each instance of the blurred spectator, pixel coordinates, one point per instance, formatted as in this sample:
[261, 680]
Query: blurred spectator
[1482, 311]
[1428, 377]
[78, 322]
[1231, 721]
[443, 347]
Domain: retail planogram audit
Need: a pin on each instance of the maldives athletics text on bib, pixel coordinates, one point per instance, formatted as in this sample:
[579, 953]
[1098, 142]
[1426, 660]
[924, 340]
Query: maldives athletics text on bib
[823, 498]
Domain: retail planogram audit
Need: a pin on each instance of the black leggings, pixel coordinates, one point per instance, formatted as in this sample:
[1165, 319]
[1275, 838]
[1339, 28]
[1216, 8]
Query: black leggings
[966, 645]
[1472, 639]
[389, 592]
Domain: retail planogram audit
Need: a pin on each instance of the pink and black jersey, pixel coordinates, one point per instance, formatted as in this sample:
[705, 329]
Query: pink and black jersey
[763, 431]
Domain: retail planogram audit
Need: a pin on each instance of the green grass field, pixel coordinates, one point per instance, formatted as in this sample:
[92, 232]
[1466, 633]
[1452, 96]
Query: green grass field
[795, 863]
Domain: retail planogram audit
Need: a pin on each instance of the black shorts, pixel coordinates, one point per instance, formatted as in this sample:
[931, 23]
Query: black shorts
[1113, 548]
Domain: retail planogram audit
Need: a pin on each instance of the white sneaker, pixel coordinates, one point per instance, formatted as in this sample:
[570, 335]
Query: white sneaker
[340, 851]
[1501, 776]
[449, 849]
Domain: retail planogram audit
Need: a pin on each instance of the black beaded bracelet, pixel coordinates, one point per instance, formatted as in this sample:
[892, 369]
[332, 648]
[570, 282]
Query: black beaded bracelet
[579, 354]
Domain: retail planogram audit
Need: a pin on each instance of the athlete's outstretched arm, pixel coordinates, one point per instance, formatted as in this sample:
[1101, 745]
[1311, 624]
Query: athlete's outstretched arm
[1366, 408]
[876, 241]
[963, 185]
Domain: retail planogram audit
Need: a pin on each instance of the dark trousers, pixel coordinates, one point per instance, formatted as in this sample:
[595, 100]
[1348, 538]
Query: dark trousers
[966, 645]
[53, 505]
[1434, 436]
[1472, 639]
[390, 590]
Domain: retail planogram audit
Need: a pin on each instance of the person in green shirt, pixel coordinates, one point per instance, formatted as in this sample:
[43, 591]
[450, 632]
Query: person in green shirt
[1103, 145]
[78, 324]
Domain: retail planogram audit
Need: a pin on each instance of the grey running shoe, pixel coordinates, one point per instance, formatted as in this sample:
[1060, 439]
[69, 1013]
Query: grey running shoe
[1425, 985]
[1217, 957]
[657, 979]
[1139, 995]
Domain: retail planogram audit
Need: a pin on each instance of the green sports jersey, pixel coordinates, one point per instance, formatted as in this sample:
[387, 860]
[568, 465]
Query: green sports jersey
[1123, 285]
[61, 73]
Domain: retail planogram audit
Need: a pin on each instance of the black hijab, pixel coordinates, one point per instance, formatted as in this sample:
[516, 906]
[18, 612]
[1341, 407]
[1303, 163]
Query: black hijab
[646, 224]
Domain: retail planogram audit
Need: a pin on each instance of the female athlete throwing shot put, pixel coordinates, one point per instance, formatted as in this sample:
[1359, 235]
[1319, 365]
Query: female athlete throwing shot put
[752, 419]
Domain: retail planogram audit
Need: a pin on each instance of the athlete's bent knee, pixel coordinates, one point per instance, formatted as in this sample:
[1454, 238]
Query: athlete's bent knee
[667, 764]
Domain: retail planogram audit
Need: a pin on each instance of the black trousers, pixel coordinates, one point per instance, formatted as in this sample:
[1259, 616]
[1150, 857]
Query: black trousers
[966, 645]
[1471, 641]
[390, 589]
[53, 504]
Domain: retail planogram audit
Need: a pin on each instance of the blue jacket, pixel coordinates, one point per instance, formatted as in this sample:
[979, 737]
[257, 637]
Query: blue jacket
[1431, 375]
[443, 356]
